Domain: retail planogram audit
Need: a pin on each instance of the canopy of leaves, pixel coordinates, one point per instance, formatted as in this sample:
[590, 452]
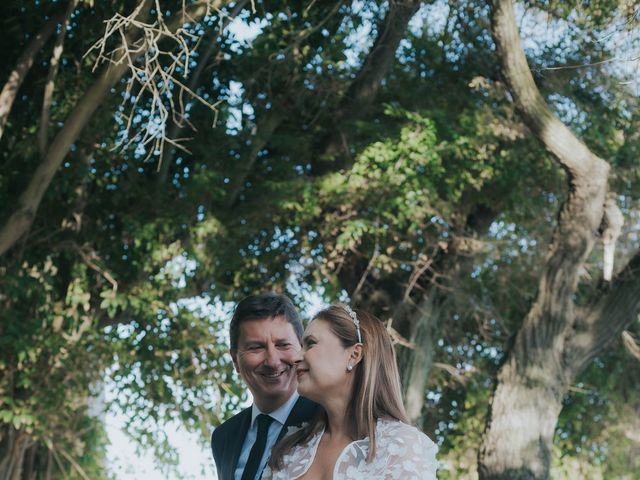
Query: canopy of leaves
[124, 277]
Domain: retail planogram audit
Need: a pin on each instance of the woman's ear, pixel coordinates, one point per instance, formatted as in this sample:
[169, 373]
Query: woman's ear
[356, 354]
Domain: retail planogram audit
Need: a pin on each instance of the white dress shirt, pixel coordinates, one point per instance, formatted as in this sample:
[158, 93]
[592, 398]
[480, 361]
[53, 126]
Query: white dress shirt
[279, 417]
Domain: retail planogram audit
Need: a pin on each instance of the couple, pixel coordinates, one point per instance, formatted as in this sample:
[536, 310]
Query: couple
[327, 402]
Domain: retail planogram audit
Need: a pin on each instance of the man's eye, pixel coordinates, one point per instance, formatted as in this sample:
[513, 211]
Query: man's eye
[284, 345]
[254, 347]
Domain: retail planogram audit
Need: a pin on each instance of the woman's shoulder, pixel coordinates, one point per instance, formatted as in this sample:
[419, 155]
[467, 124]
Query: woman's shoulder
[408, 453]
[395, 431]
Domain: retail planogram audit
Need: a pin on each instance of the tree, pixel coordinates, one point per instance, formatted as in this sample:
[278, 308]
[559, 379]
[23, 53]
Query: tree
[558, 338]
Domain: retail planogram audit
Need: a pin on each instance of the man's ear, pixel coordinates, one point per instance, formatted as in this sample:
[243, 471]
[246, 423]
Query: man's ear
[234, 359]
[356, 354]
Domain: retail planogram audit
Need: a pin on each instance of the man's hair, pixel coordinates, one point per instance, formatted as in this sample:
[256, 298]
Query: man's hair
[259, 307]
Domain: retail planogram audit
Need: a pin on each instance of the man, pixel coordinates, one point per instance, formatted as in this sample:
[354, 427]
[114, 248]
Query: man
[265, 335]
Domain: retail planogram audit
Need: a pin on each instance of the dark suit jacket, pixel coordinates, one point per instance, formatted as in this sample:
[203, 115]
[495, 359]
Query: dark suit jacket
[227, 439]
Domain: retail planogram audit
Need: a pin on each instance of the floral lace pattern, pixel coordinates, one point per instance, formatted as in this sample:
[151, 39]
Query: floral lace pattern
[403, 453]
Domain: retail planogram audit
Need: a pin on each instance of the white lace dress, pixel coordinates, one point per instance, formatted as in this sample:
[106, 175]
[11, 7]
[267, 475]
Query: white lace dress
[402, 452]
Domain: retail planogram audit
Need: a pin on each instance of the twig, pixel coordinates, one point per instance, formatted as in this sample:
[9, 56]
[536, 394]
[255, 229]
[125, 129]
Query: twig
[156, 76]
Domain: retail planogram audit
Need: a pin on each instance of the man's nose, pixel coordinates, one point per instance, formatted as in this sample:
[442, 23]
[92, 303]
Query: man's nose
[272, 358]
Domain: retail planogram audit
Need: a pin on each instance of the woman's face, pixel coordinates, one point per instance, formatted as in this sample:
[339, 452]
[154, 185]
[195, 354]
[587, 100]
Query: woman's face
[322, 365]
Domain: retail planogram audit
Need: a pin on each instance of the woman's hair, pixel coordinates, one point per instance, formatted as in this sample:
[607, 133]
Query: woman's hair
[376, 389]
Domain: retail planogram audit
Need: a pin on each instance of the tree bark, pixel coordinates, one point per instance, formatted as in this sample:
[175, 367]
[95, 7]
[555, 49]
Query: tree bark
[613, 310]
[17, 76]
[23, 215]
[547, 355]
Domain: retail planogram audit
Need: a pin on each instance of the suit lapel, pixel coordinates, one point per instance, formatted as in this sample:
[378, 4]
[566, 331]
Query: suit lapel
[302, 411]
[235, 443]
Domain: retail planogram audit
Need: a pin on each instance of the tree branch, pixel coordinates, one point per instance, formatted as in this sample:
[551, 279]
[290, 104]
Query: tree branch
[22, 218]
[364, 88]
[17, 76]
[260, 137]
[572, 154]
[168, 154]
[581, 215]
[617, 306]
[49, 87]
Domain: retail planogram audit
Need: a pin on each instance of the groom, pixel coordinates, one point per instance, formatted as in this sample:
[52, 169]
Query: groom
[264, 335]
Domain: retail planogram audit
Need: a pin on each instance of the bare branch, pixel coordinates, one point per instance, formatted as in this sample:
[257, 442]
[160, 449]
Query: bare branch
[156, 71]
[166, 158]
[24, 213]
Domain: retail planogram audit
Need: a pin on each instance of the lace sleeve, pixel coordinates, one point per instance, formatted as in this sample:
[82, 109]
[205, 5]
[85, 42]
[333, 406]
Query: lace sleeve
[411, 455]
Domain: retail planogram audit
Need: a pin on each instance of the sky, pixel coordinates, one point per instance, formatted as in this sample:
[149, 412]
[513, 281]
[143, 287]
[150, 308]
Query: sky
[196, 462]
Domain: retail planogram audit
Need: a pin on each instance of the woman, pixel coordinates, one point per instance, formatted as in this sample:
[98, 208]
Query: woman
[348, 366]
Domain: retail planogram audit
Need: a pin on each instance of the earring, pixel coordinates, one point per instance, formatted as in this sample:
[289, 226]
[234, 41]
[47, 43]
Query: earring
[349, 367]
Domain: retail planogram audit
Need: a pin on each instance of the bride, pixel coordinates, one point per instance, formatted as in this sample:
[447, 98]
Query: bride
[348, 366]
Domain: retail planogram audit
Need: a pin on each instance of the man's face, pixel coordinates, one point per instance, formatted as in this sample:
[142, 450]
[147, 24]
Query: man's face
[267, 349]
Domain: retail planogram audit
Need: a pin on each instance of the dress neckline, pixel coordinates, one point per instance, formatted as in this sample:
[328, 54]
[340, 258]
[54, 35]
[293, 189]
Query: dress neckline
[316, 443]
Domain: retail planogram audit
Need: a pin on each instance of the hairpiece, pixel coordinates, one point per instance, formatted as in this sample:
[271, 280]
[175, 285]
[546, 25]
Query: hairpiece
[355, 320]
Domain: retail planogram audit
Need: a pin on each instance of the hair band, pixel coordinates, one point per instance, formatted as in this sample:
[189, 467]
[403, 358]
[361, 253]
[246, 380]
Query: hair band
[355, 320]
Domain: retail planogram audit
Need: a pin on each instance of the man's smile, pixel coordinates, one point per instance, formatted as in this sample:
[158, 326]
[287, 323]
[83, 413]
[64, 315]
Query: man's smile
[272, 375]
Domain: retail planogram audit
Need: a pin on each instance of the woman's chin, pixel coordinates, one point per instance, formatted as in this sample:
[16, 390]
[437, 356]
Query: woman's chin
[304, 390]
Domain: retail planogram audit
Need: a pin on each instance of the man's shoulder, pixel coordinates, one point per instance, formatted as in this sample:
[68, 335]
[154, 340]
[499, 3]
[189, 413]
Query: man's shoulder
[231, 425]
[303, 410]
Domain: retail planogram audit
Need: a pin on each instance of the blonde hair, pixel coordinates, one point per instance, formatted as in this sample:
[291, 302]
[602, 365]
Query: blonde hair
[376, 389]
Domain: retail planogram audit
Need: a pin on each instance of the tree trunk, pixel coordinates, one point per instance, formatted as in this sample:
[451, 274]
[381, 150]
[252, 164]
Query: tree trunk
[426, 320]
[524, 411]
[556, 339]
[418, 362]
[13, 446]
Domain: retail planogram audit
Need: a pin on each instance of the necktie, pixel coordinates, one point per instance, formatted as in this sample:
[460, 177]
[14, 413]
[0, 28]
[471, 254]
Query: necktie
[257, 450]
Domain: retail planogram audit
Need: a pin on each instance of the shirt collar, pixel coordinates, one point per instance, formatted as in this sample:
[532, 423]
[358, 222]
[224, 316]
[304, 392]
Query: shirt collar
[281, 414]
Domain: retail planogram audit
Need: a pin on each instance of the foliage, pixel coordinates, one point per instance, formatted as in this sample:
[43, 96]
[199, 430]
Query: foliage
[125, 278]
